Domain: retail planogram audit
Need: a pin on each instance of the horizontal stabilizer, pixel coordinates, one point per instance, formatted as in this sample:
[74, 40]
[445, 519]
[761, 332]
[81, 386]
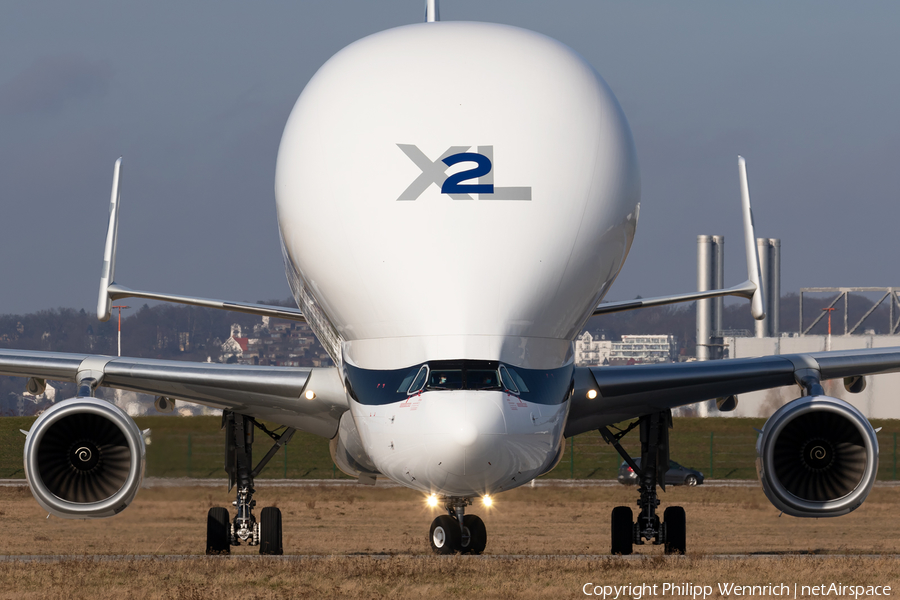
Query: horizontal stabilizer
[744, 290]
[110, 290]
[750, 289]
[116, 292]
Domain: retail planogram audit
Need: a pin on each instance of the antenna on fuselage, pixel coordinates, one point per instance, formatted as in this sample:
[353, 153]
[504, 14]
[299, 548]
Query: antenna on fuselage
[432, 11]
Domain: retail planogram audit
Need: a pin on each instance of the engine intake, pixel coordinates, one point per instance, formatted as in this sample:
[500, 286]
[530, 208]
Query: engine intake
[817, 456]
[84, 458]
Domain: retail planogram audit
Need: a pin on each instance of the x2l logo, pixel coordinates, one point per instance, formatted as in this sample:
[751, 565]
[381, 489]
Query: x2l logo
[434, 171]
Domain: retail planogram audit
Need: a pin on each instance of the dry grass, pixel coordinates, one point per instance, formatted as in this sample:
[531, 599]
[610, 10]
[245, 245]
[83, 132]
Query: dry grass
[415, 577]
[343, 525]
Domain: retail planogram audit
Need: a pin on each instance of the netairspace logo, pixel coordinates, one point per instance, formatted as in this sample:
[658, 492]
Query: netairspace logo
[769, 590]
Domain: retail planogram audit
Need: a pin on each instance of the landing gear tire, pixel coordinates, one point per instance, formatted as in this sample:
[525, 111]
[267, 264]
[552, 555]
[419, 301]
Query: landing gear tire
[218, 537]
[474, 537]
[622, 531]
[270, 531]
[676, 530]
[444, 535]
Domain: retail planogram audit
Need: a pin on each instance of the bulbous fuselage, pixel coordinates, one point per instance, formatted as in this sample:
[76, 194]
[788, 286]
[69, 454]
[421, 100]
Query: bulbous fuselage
[455, 191]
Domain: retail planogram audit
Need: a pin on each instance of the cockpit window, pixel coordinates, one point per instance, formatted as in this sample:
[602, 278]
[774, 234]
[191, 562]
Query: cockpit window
[507, 380]
[419, 381]
[520, 383]
[379, 387]
[482, 379]
[445, 379]
[464, 375]
[406, 384]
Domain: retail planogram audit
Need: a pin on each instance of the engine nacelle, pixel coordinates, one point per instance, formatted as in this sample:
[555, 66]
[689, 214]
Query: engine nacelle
[817, 456]
[84, 458]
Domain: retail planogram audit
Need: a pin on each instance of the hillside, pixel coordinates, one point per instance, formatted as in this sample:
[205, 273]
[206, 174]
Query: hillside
[188, 333]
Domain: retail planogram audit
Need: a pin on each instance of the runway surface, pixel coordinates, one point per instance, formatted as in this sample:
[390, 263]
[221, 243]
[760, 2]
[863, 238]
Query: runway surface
[55, 558]
[156, 482]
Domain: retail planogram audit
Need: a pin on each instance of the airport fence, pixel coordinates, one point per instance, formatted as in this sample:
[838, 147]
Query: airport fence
[722, 448]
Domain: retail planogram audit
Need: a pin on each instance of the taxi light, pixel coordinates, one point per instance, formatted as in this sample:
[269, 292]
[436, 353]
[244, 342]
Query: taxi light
[591, 394]
[310, 395]
[432, 501]
[487, 500]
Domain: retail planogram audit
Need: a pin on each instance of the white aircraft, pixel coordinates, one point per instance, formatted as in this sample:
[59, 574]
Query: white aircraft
[454, 201]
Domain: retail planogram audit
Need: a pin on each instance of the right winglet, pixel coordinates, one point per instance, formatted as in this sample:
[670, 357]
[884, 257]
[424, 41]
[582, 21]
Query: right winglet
[108, 273]
[757, 302]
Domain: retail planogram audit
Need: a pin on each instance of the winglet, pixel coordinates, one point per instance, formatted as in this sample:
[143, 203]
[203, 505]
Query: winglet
[108, 273]
[757, 303]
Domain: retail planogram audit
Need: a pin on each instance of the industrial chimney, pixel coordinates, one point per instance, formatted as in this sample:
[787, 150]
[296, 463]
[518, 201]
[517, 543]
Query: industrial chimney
[769, 252]
[710, 276]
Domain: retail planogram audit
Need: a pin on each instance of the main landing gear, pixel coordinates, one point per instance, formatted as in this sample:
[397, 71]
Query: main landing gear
[671, 531]
[457, 531]
[222, 532]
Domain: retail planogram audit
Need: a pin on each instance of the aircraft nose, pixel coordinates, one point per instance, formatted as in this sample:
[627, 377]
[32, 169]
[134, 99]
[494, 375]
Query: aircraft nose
[462, 429]
[465, 433]
[465, 442]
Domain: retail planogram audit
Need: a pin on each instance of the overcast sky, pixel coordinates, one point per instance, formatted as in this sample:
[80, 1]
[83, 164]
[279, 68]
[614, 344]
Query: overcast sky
[195, 96]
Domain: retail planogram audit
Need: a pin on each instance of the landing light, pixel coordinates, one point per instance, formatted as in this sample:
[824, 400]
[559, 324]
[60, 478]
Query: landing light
[487, 500]
[591, 394]
[310, 395]
[432, 501]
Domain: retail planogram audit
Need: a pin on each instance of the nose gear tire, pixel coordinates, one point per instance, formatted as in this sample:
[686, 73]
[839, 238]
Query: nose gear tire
[476, 540]
[444, 535]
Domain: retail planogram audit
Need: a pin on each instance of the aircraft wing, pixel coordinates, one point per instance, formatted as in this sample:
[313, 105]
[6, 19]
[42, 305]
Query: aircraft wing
[276, 394]
[628, 392]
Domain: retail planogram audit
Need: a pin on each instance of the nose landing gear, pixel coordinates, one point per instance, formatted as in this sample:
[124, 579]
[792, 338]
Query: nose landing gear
[457, 531]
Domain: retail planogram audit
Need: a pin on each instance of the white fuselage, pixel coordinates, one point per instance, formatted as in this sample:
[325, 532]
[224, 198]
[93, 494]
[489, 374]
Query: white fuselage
[398, 263]
[462, 443]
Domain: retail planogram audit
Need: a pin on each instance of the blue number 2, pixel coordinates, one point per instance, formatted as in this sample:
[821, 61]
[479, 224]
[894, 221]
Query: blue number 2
[453, 183]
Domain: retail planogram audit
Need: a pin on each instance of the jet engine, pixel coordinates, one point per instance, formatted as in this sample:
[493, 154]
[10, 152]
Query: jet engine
[84, 458]
[817, 456]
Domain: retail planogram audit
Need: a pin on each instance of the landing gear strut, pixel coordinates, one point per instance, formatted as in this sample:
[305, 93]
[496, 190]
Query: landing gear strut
[457, 531]
[221, 532]
[671, 531]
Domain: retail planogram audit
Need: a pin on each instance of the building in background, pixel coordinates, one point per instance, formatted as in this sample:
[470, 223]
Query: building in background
[593, 349]
[643, 349]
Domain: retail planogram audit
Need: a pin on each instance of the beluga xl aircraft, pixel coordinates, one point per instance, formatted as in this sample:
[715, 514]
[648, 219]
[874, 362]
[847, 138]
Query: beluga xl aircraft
[492, 204]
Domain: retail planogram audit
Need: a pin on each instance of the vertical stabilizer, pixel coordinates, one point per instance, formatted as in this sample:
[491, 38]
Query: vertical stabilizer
[432, 11]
